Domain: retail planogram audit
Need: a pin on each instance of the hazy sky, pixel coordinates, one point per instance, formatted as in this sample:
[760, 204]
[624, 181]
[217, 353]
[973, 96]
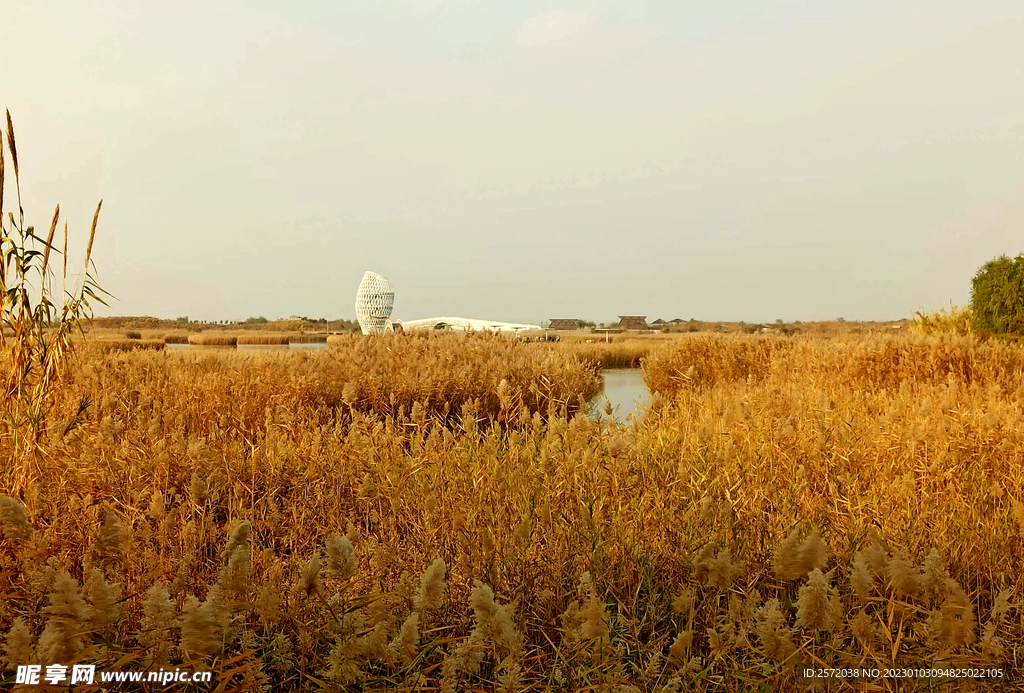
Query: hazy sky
[526, 160]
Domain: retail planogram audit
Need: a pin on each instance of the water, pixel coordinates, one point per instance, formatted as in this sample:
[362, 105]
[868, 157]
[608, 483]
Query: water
[263, 347]
[625, 389]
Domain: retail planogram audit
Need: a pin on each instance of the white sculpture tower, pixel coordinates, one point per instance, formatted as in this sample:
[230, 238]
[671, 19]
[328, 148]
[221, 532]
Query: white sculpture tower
[374, 300]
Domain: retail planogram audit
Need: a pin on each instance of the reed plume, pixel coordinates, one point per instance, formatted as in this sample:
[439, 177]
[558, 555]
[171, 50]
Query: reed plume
[18, 645]
[341, 557]
[794, 558]
[158, 611]
[14, 520]
[202, 632]
[775, 634]
[818, 607]
[49, 242]
[861, 579]
[92, 236]
[430, 595]
[67, 621]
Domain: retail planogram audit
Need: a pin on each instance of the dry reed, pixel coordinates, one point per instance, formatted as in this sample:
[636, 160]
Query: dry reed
[289, 518]
[263, 338]
[957, 321]
[619, 354]
[308, 338]
[107, 346]
[212, 339]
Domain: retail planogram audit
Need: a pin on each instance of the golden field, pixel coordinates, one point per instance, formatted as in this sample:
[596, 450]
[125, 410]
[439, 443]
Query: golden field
[437, 513]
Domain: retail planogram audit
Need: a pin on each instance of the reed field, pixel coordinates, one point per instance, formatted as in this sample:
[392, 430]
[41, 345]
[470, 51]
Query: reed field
[129, 344]
[618, 354]
[437, 513]
[308, 338]
[957, 320]
[212, 339]
[263, 338]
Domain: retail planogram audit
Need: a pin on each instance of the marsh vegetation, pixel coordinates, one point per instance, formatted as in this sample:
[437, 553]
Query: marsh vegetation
[440, 512]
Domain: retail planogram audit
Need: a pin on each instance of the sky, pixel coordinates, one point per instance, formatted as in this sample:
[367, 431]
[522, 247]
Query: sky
[525, 160]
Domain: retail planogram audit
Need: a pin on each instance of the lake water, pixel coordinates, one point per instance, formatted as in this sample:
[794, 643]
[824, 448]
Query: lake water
[625, 389]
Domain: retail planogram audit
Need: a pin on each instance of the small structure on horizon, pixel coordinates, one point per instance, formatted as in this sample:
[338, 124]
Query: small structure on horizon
[659, 322]
[633, 322]
[565, 324]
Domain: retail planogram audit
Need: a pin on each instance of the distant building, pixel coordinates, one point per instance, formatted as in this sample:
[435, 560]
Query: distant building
[633, 322]
[375, 299]
[463, 325]
[565, 324]
[659, 322]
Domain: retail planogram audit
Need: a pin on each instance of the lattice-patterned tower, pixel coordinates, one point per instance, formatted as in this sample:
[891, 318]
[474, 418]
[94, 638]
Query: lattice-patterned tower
[374, 300]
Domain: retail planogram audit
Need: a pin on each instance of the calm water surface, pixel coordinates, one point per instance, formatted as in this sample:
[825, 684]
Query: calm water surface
[625, 389]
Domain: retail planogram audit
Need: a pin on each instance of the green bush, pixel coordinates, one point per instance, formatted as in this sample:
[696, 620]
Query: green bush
[997, 296]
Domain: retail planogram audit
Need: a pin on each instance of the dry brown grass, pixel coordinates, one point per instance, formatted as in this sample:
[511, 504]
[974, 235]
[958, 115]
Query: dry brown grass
[109, 346]
[263, 338]
[872, 363]
[175, 337]
[340, 340]
[957, 321]
[212, 339]
[784, 504]
[308, 338]
[618, 354]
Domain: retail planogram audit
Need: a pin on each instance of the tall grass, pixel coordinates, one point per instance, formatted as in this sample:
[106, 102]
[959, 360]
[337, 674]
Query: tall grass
[619, 354]
[263, 338]
[37, 320]
[340, 340]
[308, 338]
[107, 346]
[212, 339]
[706, 361]
[957, 321]
[447, 380]
[860, 363]
[296, 518]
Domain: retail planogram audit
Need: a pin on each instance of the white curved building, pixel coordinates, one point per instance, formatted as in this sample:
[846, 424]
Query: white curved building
[375, 299]
[465, 325]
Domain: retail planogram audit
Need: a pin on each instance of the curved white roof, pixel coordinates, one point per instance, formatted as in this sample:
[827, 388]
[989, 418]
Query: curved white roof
[466, 324]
